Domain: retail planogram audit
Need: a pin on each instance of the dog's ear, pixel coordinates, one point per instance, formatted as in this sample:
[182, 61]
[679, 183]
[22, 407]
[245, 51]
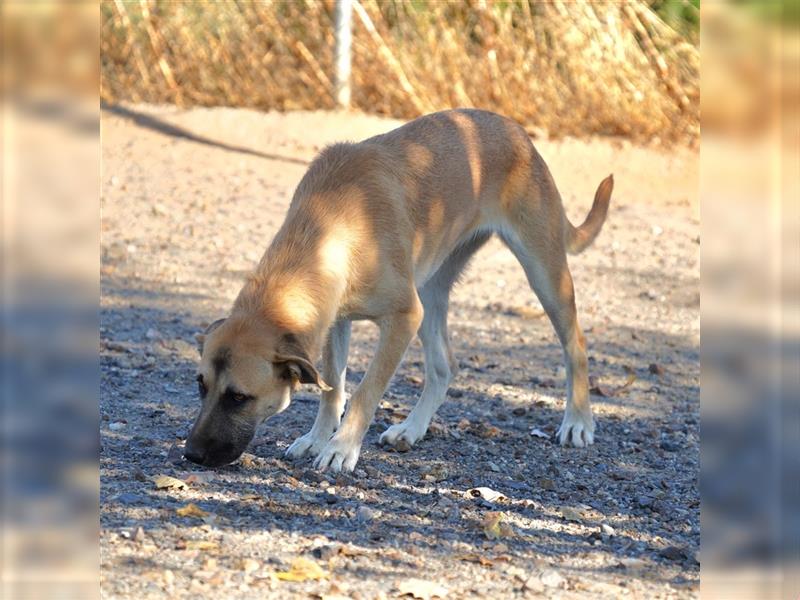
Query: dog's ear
[297, 369]
[294, 365]
[200, 338]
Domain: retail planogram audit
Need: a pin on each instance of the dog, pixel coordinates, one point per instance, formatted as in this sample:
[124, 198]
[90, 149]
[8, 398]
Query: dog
[381, 230]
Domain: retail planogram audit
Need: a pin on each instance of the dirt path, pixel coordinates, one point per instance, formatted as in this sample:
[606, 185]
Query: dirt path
[190, 201]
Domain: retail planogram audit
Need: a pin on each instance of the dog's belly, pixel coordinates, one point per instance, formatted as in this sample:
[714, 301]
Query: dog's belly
[434, 254]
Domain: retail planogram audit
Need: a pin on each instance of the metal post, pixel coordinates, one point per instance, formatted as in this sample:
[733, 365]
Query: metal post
[344, 22]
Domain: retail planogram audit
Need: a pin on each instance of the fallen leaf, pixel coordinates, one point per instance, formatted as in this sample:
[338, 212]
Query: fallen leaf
[199, 478]
[463, 425]
[192, 510]
[526, 312]
[165, 482]
[476, 558]
[539, 433]
[421, 589]
[487, 494]
[302, 569]
[201, 545]
[495, 527]
[601, 390]
[486, 431]
[572, 514]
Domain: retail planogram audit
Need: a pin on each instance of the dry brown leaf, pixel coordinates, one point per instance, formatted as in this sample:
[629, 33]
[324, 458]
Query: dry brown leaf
[201, 545]
[198, 478]
[495, 527]
[192, 510]
[165, 482]
[421, 589]
[476, 558]
[601, 390]
[303, 569]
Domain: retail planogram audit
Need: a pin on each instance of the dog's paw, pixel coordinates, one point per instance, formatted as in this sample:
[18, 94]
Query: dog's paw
[339, 454]
[310, 444]
[409, 432]
[577, 429]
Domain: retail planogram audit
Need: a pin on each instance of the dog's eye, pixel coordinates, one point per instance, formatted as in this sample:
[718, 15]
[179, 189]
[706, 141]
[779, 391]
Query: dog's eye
[240, 398]
[201, 386]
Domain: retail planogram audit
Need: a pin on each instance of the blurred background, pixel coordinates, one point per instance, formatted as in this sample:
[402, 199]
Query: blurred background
[565, 68]
[629, 69]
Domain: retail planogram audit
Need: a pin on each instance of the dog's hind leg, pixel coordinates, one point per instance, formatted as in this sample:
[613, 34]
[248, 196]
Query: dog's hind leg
[332, 402]
[440, 364]
[544, 260]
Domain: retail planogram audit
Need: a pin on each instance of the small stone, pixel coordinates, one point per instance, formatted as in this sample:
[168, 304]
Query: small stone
[402, 445]
[365, 514]
[129, 498]
[655, 369]
[668, 446]
[607, 529]
[534, 584]
[551, 579]
[117, 425]
[493, 467]
[248, 565]
[673, 553]
[153, 334]
[138, 535]
[175, 454]
[169, 577]
[644, 501]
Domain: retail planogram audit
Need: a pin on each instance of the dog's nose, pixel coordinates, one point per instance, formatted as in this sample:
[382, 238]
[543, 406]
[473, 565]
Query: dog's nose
[196, 456]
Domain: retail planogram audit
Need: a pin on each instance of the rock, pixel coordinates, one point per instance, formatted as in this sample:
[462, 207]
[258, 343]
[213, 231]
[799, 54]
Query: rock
[644, 501]
[129, 498]
[607, 529]
[117, 425]
[365, 514]
[673, 553]
[493, 467]
[248, 565]
[668, 446]
[175, 454]
[551, 579]
[534, 584]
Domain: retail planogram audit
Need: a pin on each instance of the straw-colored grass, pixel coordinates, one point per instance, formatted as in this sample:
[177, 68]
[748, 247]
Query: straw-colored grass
[561, 67]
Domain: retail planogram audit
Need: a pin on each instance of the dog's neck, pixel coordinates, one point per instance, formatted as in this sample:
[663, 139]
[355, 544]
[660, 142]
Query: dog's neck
[290, 293]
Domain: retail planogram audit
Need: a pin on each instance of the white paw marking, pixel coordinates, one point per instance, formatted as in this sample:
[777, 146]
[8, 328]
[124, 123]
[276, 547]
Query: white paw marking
[339, 454]
[577, 429]
[410, 431]
[310, 444]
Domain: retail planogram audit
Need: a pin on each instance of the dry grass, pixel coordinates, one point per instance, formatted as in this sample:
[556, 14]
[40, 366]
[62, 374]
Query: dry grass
[567, 68]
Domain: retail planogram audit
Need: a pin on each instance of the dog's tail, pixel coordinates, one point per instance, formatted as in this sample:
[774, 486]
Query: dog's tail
[579, 238]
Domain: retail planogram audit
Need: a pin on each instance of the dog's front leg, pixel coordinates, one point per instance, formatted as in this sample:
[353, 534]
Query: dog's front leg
[331, 404]
[396, 331]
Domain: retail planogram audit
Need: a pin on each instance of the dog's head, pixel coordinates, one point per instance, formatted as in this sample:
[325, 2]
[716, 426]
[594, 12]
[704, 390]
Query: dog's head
[246, 375]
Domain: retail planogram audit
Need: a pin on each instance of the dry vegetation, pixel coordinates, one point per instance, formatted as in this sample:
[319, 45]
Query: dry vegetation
[567, 68]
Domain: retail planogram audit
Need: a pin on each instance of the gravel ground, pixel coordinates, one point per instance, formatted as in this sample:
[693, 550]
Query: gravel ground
[191, 199]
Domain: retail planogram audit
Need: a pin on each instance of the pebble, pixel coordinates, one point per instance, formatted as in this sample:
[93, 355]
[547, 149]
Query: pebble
[607, 529]
[551, 579]
[116, 425]
[365, 514]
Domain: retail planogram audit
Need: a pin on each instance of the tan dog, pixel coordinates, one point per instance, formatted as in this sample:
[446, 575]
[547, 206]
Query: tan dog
[380, 230]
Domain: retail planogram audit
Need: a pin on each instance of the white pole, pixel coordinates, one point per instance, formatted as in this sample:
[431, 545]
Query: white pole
[344, 21]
